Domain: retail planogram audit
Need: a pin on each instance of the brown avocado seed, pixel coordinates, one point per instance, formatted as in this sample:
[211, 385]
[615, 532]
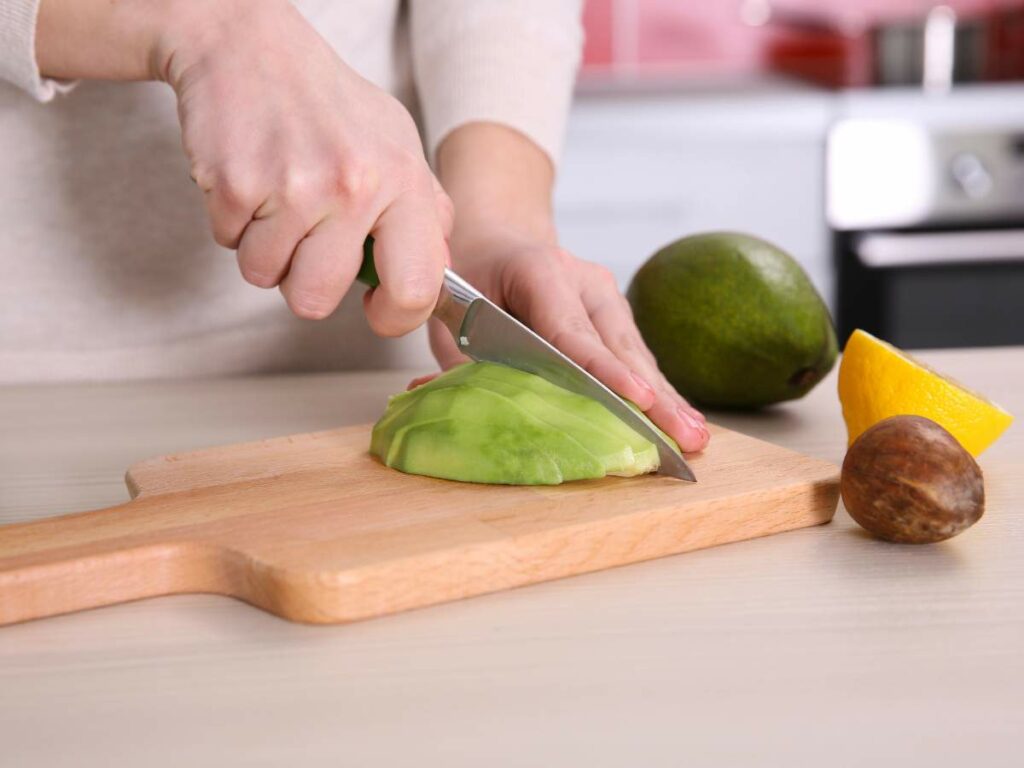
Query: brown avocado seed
[906, 479]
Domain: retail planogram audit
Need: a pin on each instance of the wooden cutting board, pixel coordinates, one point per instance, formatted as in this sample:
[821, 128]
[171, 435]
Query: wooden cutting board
[312, 528]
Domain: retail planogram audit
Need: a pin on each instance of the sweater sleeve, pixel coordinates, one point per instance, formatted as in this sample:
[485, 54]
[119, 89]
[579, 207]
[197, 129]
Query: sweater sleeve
[506, 61]
[18, 50]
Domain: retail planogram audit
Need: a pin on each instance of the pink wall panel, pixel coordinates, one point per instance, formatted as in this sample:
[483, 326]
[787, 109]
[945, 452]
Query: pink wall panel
[710, 36]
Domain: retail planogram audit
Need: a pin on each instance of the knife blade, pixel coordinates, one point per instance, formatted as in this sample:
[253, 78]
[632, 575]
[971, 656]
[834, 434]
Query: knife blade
[484, 331]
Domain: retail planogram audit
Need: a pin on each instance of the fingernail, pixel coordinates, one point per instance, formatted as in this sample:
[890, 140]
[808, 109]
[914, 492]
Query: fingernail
[700, 416]
[688, 419]
[641, 381]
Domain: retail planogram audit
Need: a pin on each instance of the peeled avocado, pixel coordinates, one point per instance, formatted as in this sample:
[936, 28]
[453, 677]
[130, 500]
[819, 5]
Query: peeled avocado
[733, 321]
[488, 423]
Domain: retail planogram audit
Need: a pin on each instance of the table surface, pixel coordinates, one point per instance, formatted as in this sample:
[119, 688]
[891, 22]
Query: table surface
[815, 645]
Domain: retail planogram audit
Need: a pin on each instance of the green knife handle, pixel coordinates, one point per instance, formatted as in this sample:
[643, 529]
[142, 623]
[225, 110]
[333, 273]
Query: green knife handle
[367, 271]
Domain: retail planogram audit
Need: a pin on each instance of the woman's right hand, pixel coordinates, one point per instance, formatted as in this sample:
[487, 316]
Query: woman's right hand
[300, 158]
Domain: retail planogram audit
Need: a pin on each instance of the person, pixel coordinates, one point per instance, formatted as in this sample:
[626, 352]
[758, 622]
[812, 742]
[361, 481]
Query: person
[297, 125]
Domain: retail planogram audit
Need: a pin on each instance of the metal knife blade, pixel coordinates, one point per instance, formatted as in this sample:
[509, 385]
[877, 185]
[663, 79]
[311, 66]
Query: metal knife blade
[484, 331]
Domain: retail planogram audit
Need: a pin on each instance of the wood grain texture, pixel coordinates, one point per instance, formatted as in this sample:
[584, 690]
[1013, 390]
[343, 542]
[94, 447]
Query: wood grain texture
[314, 529]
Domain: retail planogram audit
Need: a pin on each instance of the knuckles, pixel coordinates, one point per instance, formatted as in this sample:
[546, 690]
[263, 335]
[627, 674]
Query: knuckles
[355, 183]
[351, 184]
[239, 188]
[604, 277]
[204, 177]
[565, 262]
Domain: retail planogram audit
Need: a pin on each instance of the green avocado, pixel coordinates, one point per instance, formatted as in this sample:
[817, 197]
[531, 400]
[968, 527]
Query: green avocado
[733, 321]
[488, 423]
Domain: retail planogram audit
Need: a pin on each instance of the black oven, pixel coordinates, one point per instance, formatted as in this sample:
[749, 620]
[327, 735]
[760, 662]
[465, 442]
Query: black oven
[928, 232]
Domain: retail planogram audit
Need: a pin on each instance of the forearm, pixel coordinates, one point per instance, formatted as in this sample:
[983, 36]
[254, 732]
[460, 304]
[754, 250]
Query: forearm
[121, 39]
[501, 184]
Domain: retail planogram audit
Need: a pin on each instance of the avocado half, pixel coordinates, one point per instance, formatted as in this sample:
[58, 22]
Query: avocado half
[488, 423]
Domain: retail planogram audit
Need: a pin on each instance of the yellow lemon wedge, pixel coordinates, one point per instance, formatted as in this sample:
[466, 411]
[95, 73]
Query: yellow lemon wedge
[877, 381]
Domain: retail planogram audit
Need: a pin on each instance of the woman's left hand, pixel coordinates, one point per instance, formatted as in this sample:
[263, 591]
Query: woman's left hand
[577, 306]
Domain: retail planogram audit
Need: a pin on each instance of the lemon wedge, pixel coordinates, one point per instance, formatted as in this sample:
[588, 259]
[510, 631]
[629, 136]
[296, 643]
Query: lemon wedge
[877, 380]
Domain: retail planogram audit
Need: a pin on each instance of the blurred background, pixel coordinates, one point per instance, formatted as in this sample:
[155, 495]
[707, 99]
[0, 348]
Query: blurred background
[880, 142]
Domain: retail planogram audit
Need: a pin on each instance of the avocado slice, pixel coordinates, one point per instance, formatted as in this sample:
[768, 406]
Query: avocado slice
[488, 423]
[467, 433]
[617, 446]
[453, 450]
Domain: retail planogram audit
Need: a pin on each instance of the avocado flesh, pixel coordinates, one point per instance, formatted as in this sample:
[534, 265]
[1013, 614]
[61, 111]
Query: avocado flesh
[489, 423]
[621, 450]
[452, 450]
[466, 433]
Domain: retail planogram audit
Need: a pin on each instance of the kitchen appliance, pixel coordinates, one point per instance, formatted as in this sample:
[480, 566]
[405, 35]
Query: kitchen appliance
[314, 529]
[927, 217]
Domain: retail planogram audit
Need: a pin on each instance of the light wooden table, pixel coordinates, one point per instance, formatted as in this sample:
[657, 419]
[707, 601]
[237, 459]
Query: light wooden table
[816, 647]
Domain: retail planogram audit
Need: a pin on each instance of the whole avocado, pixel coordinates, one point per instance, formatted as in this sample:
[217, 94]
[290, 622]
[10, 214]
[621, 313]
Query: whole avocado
[733, 321]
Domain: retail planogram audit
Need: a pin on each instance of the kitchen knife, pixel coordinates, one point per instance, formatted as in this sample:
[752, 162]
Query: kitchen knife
[484, 331]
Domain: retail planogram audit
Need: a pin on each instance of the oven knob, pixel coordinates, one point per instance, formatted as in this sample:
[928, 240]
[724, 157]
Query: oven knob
[971, 175]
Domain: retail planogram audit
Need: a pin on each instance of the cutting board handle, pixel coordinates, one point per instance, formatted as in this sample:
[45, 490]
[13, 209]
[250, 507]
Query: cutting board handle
[96, 558]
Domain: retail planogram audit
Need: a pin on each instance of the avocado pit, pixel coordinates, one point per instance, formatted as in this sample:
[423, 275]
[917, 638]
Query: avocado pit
[908, 480]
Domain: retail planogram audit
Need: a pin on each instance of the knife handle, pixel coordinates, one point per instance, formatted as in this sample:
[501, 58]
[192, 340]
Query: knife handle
[367, 270]
[455, 297]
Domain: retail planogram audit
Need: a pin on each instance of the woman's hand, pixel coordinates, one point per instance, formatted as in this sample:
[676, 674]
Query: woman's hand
[576, 306]
[298, 156]
[504, 243]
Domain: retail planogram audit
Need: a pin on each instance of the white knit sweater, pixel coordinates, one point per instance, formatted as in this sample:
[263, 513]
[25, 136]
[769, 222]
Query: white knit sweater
[108, 268]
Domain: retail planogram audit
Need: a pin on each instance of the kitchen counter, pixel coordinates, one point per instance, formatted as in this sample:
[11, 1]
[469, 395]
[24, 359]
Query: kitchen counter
[819, 646]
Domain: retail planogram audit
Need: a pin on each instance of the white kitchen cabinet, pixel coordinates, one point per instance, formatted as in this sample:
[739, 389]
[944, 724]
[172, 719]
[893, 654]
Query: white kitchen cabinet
[640, 170]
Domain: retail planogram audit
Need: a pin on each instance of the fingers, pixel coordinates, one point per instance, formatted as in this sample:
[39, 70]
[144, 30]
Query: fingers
[444, 206]
[336, 157]
[267, 246]
[410, 253]
[323, 267]
[419, 380]
[230, 207]
[578, 338]
[554, 309]
[445, 352]
[678, 421]
[613, 320]
[314, 269]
